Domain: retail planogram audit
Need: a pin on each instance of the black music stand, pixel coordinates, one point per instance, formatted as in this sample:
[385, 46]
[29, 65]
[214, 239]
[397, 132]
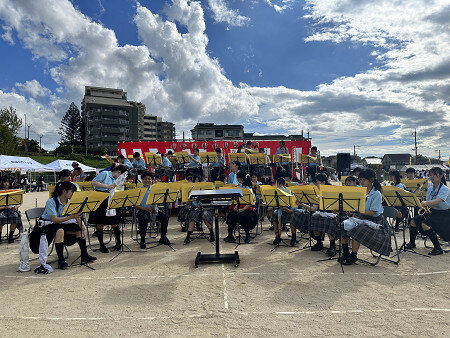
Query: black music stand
[397, 197]
[84, 202]
[247, 199]
[273, 197]
[345, 201]
[208, 158]
[216, 199]
[162, 193]
[9, 198]
[120, 200]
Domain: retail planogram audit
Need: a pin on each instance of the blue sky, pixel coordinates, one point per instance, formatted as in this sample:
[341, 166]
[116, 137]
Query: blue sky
[278, 66]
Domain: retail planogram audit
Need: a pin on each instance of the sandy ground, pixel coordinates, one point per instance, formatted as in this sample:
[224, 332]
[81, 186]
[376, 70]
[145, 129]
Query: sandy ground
[158, 292]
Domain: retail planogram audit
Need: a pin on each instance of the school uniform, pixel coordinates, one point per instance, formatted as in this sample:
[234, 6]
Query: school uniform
[247, 218]
[99, 216]
[371, 231]
[215, 175]
[194, 168]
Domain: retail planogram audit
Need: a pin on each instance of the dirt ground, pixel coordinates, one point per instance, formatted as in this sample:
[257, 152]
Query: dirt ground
[158, 292]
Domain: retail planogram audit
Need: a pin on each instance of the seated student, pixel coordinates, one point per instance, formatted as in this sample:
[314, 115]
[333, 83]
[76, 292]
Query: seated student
[368, 228]
[277, 216]
[245, 214]
[194, 167]
[311, 169]
[194, 213]
[165, 168]
[65, 230]
[395, 179]
[9, 214]
[351, 181]
[124, 161]
[281, 145]
[232, 176]
[322, 222]
[146, 211]
[264, 171]
[218, 168]
[410, 173]
[357, 171]
[104, 182]
[138, 162]
[437, 221]
[243, 165]
[78, 175]
[255, 179]
[282, 169]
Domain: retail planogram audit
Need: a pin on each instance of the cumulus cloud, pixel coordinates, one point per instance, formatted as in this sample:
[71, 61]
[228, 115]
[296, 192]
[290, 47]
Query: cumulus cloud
[280, 5]
[173, 74]
[33, 88]
[222, 13]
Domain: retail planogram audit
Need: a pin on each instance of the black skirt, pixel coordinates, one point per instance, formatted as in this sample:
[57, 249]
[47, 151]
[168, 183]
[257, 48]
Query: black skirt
[69, 239]
[99, 216]
[438, 220]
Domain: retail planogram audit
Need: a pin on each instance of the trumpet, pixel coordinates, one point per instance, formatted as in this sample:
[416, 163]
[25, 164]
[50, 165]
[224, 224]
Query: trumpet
[424, 210]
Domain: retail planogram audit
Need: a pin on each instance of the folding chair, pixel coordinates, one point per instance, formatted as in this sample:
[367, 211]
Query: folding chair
[389, 216]
[106, 228]
[153, 229]
[35, 214]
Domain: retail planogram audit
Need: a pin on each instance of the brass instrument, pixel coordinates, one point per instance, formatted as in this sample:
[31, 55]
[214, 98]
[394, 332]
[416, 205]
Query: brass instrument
[424, 211]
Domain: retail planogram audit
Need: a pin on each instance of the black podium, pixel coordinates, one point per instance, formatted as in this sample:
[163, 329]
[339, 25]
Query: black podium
[216, 199]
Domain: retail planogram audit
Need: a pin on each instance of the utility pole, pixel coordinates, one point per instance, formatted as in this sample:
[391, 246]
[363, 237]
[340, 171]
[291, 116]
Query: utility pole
[415, 145]
[40, 143]
[29, 130]
[308, 134]
[354, 150]
[439, 152]
[25, 126]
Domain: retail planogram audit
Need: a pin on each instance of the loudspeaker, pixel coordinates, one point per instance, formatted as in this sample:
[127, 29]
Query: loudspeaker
[343, 162]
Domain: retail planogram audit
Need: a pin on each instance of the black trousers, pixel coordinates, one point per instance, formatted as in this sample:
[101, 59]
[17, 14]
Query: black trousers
[144, 217]
[194, 171]
[247, 219]
[216, 176]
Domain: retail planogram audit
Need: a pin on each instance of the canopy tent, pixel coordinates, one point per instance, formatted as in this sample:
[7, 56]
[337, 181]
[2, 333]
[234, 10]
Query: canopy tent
[17, 163]
[425, 167]
[357, 165]
[59, 165]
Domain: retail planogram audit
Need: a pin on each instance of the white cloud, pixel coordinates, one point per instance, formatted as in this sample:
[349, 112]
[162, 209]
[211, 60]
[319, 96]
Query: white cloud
[7, 35]
[33, 88]
[222, 13]
[175, 77]
[280, 5]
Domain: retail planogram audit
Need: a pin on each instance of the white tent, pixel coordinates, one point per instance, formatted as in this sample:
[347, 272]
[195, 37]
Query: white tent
[17, 163]
[59, 165]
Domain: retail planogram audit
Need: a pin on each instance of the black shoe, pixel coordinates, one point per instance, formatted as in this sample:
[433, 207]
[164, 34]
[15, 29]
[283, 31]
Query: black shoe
[276, 241]
[62, 265]
[118, 246]
[103, 249]
[350, 260]
[396, 228]
[317, 247]
[293, 242]
[142, 245]
[271, 228]
[10, 239]
[436, 252]
[88, 259]
[331, 252]
[95, 234]
[247, 239]
[164, 240]
[187, 241]
[184, 229]
[212, 238]
[410, 245]
[229, 239]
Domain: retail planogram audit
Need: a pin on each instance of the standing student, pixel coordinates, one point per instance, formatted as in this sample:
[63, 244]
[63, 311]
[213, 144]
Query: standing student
[368, 228]
[65, 230]
[438, 220]
[9, 214]
[147, 211]
[105, 182]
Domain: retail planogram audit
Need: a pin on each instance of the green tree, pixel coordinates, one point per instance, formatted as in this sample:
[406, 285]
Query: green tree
[71, 129]
[9, 119]
[7, 144]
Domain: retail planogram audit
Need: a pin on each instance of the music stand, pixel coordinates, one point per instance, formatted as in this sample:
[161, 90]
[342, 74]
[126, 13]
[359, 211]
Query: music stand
[180, 158]
[282, 158]
[153, 159]
[85, 186]
[417, 186]
[274, 197]
[247, 198]
[342, 199]
[84, 202]
[216, 199]
[397, 197]
[9, 198]
[186, 189]
[208, 158]
[258, 158]
[120, 200]
[163, 193]
[307, 194]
